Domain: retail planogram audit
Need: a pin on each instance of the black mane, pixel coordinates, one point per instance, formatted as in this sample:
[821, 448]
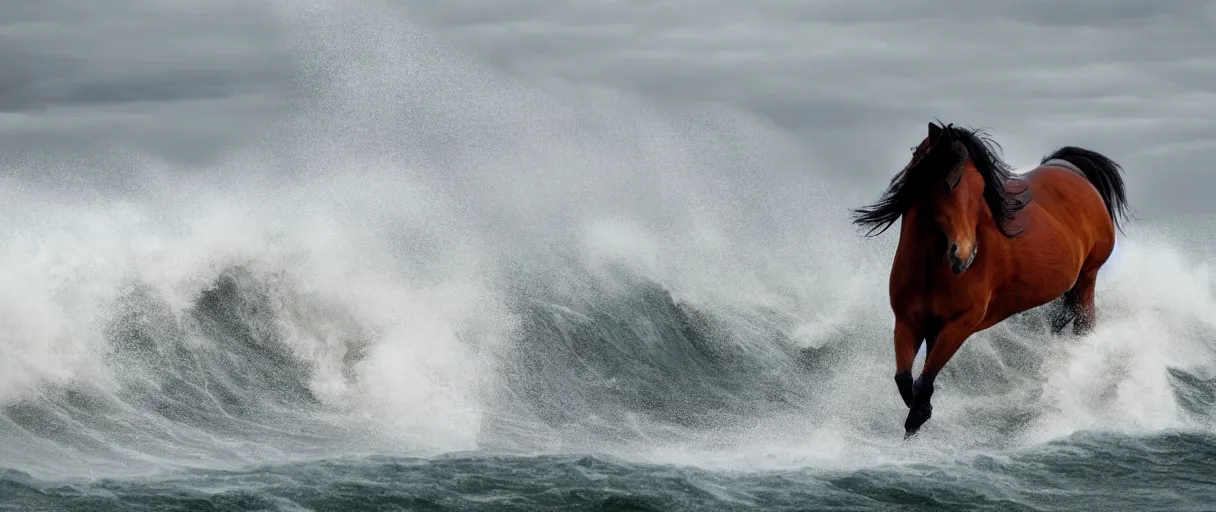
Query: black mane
[907, 186]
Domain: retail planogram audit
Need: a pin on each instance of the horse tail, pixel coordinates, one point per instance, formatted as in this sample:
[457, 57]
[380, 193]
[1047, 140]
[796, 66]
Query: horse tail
[1105, 174]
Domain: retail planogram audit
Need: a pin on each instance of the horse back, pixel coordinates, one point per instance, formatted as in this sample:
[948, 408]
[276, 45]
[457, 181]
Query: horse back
[1065, 195]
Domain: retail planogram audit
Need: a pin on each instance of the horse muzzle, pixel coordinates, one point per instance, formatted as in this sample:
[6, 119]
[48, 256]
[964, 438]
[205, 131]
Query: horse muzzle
[960, 265]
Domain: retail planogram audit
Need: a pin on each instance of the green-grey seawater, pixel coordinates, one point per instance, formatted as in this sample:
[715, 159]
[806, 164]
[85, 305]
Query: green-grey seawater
[1089, 472]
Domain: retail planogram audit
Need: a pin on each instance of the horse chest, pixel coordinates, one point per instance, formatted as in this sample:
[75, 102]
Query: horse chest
[920, 291]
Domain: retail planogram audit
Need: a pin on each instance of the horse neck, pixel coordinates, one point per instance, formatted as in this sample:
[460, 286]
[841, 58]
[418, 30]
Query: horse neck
[920, 237]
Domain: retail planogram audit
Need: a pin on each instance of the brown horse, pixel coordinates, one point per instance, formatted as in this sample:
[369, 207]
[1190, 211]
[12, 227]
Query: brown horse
[979, 243]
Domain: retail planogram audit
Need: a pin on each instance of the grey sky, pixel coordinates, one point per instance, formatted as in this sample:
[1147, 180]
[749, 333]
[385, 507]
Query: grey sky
[856, 81]
[180, 81]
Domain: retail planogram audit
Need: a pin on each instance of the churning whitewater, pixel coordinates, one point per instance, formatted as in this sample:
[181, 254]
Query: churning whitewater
[433, 287]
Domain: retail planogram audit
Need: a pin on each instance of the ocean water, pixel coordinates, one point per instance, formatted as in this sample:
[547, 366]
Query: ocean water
[434, 287]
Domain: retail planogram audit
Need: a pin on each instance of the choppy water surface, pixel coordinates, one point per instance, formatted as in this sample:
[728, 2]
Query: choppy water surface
[1166, 472]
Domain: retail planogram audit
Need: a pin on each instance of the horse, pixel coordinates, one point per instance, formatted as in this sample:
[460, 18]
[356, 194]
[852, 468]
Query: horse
[979, 243]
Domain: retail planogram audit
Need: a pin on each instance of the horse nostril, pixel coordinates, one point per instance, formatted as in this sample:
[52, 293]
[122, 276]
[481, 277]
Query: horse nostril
[954, 249]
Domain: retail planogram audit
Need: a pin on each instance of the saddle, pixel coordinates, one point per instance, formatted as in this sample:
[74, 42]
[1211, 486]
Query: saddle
[1017, 195]
[1017, 191]
[1059, 162]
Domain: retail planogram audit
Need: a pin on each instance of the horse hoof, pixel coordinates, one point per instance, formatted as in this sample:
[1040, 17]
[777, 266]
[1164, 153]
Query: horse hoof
[917, 417]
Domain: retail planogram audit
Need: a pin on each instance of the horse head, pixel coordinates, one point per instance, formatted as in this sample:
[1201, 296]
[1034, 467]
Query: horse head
[953, 190]
[956, 182]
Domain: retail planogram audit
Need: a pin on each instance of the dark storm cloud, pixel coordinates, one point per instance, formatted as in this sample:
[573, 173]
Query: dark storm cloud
[858, 80]
[182, 80]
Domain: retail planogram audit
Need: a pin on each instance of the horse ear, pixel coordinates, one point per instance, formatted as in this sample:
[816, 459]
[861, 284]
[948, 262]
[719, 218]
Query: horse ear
[934, 131]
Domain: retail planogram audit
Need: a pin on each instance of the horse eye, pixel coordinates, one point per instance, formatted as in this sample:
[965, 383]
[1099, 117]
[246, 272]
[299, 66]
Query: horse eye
[913, 148]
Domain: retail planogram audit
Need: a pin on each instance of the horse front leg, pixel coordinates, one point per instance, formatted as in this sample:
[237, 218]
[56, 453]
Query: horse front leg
[949, 339]
[907, 342]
